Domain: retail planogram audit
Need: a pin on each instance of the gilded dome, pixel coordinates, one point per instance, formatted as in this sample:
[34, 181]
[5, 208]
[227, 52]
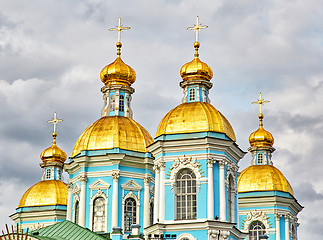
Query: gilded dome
[261, 137]
[195, 117]
[118, 73]
[113, 132]
[45, 193]
[53, 154]
[196, 69]
[263, 178]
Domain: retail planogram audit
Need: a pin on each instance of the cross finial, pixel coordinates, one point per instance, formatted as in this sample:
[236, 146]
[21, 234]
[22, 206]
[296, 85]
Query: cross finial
[260, 102]
[55, 121]
[119, 28]
[197, 27]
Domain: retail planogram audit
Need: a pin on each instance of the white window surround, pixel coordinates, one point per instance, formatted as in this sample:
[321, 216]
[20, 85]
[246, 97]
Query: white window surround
[99, 185]
[256, 215]
[185, 236]
[76, 198]
[99, 193]
[182, 163]
[131, 194]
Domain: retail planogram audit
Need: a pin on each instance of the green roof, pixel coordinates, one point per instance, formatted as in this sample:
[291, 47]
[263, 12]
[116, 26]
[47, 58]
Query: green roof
[65, 231]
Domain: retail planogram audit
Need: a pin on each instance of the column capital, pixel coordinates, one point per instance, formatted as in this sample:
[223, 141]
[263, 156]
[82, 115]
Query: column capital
[156, 167]
[83, 178]
[147, 179]
[69, 186]
[287, 216]
[278, 216]
[210, 162]
[162, 166]
[222, 162]
[115, 175]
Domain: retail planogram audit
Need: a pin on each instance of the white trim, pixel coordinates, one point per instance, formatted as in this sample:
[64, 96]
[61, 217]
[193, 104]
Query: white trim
[98, 194]
[185, 235]
[99, 185]
[131, 185]
[76, 189]
[253, 216]
[131, 194]
[76, 198]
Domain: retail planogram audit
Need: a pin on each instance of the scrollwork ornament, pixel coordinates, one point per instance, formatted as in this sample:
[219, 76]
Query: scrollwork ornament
[115, 176]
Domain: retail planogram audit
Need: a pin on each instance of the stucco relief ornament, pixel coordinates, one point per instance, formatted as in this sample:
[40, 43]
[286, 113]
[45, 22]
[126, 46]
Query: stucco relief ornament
[182, 163]
[219, 235]
[256, 216]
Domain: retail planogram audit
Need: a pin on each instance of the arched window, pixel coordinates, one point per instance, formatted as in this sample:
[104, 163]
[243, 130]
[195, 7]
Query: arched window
[256, 229]
[112, 102]
[260, 158]
[121, 103]
[48, 174]
[192, 94]
[185, 195]
[231, 199]
[151, 213]
[98, 215]
[76, 212]
[130, 214]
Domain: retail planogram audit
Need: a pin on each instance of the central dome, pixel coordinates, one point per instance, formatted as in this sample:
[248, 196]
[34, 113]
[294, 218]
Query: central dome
[195, 117]
[263, 178]
[45, 193]
[113, 132]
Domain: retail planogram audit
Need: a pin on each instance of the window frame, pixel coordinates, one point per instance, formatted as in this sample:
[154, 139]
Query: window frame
[127, 222]
[258, 232]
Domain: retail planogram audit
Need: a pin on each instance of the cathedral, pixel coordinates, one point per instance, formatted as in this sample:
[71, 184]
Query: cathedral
[183, 184]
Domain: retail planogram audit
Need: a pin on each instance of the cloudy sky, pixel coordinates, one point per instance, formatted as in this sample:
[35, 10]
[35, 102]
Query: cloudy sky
[51, 54]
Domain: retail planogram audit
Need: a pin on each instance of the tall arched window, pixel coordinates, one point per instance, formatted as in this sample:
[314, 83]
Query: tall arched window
[76, 212]
[112, 102]
[192, 94]
[130, 214]
[256, 229]
[121, 103]
[185, 195]
[99, 215]
[151, 213]
[230, 199]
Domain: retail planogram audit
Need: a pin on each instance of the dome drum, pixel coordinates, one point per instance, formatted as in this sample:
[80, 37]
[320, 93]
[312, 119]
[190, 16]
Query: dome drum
[117, 87]
[205, 83]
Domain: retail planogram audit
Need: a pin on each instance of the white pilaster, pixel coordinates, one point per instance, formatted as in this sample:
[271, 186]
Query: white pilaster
[198, 94]
[286, 227]
[156, 197]
[146, 201]
[162, 193]
[222, 191]
[69, 201]
[117, 102]
[277, 217]
[114, 221]
[210, 193]
[126, 105]
[82, 201]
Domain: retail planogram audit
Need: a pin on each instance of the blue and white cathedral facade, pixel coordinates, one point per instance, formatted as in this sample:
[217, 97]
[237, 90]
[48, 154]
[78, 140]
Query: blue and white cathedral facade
[184, 183]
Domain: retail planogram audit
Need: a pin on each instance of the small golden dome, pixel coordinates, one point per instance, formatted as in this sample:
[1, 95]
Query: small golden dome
[113, 132]
[195, 117]
[45, 193]
[261, 137]
[196, 69]
[53, 153]
[118, 73]
[263, 178]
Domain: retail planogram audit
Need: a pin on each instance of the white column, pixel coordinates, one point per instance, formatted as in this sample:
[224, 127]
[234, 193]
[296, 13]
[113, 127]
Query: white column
[117, 103]
[156, 197]
[162, 193]
[222, 191]
[277, 217]
[286, 227]
[69, 201]
[126, 105]
[198, 94]
[210, 193]
[115, 176]
[146, 201]
[82, 201]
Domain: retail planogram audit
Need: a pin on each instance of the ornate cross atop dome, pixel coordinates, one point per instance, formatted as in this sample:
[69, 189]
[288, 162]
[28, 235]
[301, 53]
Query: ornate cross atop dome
[260, 102]
[119, 29]
[55, 121]
[197, 27]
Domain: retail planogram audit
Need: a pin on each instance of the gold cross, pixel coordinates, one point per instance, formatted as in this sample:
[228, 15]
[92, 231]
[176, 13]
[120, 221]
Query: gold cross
[55, 121]
[119, 28]
[197, 27]
[260, 102]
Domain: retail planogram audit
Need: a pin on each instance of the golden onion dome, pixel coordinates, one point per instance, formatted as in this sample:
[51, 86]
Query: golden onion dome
[53, 153]
[45, 193]
[195, 117]
[118, 73]
[263, 178]
[196, 69]
[113, 132]
[261, 137]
